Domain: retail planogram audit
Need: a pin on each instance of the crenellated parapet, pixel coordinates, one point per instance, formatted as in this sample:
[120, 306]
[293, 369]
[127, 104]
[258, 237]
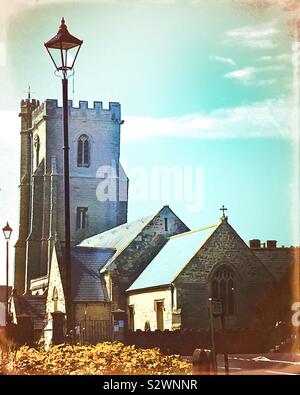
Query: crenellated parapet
[29, 103]
[50, 109]
[27, 107]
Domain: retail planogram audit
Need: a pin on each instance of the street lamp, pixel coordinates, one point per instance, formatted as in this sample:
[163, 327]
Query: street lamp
[7, 231]
[63, 49]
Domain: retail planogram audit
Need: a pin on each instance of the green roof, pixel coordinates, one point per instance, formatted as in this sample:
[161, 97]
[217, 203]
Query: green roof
[172, 258]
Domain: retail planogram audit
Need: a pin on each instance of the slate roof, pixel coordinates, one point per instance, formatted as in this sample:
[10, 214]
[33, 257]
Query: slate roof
[34, 306]
[3, 293]
[118, 238]
[87, 285]
[172, 258]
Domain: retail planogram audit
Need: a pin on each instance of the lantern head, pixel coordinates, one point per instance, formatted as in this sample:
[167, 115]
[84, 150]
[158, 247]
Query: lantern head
[63, 49]
[7, 230]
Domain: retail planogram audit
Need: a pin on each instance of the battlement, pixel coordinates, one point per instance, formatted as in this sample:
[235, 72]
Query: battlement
[51, 109]
[29, 104]
[83, 104]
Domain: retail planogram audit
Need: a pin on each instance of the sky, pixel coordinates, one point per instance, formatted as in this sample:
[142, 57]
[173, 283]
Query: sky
[207, 90]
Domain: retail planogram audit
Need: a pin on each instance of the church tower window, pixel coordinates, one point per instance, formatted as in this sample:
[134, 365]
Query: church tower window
[83, 151]
[222, 288]
[82, 217]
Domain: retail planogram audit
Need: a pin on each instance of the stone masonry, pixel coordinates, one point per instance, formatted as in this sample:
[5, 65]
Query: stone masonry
[42, 192]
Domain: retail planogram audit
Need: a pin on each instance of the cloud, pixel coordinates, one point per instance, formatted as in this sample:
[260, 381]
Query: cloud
[268, 119]
[245, 74]
[251, 75]
[223, 60]
[275, 58]
[258, 37]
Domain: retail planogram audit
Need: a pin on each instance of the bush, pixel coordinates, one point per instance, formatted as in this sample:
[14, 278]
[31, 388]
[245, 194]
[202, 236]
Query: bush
[103, 358]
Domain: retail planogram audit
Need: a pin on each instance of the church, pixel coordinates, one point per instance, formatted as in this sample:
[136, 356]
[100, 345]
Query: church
[153, 273]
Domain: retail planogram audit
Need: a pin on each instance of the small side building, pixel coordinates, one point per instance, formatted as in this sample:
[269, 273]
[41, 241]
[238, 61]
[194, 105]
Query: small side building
[90, 299]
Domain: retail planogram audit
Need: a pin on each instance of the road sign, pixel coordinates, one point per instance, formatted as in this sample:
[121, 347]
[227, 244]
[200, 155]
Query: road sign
[217, 308]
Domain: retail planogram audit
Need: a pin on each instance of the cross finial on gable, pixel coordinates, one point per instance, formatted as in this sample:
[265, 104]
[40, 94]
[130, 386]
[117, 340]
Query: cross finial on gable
[224, 217]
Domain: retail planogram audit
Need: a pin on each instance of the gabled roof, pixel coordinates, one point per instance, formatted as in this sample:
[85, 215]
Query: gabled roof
[120, 237]
[178, 251]
[33, 306]
[87, 285]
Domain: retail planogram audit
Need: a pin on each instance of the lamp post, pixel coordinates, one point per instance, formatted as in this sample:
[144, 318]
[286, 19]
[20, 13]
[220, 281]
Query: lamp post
[63, 49]
[7, 231]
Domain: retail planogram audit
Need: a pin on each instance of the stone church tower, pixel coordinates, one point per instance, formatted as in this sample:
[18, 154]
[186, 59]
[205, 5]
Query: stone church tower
[98, 183]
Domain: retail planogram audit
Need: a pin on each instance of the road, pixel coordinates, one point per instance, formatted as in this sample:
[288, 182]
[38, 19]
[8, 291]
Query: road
[264, 364]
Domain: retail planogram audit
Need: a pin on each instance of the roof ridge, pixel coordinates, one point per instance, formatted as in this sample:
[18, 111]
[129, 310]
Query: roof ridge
[116, 228]
[150, 218]
[92, 248]
[194, 231]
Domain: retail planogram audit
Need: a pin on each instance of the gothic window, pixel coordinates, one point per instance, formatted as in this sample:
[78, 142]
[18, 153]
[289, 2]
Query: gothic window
[55, 299]
[222, 288]
[37, 150]
[83, 154]
[82, 217]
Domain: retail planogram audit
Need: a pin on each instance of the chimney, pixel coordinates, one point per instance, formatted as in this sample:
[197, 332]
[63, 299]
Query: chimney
[254, 243]
[271, 243]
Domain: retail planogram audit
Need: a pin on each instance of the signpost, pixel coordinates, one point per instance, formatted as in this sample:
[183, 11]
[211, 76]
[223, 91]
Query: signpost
[215, 309]
[212, 334]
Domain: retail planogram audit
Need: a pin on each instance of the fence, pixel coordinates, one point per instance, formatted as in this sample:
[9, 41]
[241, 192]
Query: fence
[184, 342]
[94, 331]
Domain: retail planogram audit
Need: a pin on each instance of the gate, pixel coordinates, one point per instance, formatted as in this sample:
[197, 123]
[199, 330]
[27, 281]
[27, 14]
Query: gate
[94, 331]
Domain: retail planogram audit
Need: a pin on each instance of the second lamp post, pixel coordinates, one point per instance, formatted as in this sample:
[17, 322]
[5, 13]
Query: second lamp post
[7, 231]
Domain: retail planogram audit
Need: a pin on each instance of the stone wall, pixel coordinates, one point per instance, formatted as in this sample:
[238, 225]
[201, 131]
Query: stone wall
[135, 258]
[55, 281]
[27, 107]
[42, 214]
[92, 311]
[252, 281]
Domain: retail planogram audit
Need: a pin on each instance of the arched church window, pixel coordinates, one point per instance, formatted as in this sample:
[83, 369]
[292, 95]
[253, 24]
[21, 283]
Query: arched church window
[83, 151]
[222, 288]
[55, 299]
[37, 150]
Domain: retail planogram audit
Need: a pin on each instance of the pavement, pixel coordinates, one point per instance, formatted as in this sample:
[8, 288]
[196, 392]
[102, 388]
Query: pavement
[260, 364]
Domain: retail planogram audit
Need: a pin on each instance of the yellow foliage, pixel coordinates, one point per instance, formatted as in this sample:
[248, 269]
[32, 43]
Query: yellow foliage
[103, 358]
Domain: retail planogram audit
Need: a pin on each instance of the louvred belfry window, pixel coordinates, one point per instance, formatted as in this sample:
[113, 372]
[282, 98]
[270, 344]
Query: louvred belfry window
[81, 217]
[83, 151]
